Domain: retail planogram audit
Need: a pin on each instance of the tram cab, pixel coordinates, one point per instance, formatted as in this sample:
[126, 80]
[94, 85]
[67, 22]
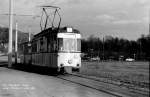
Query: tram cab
[69, 49]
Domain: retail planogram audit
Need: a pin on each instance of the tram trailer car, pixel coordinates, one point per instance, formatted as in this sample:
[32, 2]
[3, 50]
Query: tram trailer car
[59, 50]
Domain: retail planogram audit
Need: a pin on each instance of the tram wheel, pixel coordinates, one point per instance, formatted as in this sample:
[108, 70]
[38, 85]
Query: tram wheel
[62, 70]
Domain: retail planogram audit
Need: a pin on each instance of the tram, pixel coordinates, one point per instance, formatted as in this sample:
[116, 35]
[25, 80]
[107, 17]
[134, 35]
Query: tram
[57, 49]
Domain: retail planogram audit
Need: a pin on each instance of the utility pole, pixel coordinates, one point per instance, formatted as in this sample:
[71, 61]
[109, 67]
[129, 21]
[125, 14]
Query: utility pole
[10, 33]
[103, 49]
[149, 21]
[16, 43]
[29, 34]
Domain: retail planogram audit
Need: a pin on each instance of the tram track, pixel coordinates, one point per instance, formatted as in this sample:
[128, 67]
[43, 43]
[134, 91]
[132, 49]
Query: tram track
[101, 90]
[106, 87]
[107, 82]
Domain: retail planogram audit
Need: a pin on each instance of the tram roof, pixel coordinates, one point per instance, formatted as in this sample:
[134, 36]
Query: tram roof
[55, 31]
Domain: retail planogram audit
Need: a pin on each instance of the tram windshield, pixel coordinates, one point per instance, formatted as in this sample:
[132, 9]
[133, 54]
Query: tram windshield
[68, 44]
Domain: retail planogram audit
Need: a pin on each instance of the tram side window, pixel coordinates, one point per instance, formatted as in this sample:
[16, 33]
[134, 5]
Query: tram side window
[48, 45]
[26, 49]
[52, 45]
[78, 44]
[34, 47]
[41, 45]
[38, 46]
[60, 44]
[21, 49]
[45, 44]
[55, 45]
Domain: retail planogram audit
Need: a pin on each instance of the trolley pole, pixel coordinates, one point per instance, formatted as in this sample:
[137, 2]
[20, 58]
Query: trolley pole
[10, 33]
[16, 43]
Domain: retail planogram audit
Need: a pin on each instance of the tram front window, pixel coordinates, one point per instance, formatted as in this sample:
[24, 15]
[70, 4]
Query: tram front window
[68, 44]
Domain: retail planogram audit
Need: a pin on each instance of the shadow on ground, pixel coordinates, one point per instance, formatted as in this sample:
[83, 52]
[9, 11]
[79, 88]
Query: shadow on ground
[35, 69]
[3, 64]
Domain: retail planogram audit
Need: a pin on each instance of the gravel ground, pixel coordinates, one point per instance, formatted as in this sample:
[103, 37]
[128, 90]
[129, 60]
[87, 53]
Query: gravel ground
[14, 83]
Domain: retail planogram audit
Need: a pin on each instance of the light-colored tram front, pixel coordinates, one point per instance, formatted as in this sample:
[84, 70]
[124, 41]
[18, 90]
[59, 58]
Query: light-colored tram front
[69, 51]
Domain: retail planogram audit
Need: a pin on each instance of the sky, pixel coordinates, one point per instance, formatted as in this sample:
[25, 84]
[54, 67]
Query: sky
[127, 19]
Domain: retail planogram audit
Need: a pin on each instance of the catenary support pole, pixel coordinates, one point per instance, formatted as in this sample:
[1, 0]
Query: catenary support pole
[29, 34]
[10, 33]
[16, 43]
[149, 22]
[103, 49]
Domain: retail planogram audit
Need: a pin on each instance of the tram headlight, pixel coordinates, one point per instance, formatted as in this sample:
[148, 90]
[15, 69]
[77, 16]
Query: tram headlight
[78, 65]
[61, 65]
